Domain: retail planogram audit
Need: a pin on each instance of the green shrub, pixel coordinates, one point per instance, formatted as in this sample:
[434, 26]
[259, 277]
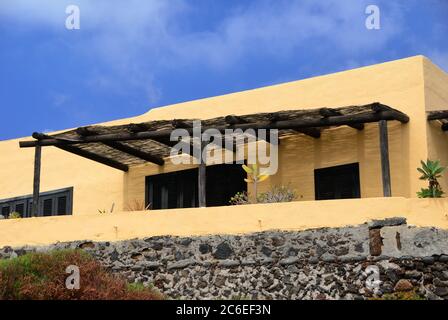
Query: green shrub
[278, 194]
[15, 215]
[275, 195]
[240, 198]
[42, 276]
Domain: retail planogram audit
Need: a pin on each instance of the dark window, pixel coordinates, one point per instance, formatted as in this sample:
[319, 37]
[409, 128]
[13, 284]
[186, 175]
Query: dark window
[223, 182]
[5, 211]
[29, 208]
[48, 207]
[179, 189]
[341, 182]
[20, 208]
[51, 203]
[172, 190]
[62, 206]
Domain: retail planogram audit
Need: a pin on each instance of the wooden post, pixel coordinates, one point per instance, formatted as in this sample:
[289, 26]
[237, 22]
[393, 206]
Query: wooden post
[202, 179]
[385, 166]
[36, 184]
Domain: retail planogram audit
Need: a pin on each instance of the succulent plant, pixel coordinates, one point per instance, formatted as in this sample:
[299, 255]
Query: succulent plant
[254, 176]
[431, 171]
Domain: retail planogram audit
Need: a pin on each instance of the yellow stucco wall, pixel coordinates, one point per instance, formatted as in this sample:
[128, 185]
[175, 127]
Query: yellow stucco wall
[436, 98]
[399, 84]
[221, 220]
[402, 84]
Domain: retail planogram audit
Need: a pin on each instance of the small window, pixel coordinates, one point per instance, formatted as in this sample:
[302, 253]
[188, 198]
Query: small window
[58, 202]
[340, 182]
[48, 207]
[62, 206]
[5, 211]
[20, 208]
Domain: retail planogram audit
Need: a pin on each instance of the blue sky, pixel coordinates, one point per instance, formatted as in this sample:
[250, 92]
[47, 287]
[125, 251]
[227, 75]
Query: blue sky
[130, 56]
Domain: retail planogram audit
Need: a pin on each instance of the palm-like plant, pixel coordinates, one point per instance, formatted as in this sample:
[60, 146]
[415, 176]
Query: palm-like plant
[254, 176]
[431, 171]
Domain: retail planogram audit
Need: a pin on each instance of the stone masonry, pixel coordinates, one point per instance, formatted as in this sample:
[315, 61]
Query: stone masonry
[356, 262]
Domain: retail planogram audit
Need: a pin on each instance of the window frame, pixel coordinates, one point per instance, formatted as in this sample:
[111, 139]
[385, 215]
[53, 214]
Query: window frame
[318, 177]
[189, 181]
[28, 200]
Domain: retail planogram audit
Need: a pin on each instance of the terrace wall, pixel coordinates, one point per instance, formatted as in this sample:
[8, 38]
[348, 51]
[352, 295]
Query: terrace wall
[292, 216]
[380, 259]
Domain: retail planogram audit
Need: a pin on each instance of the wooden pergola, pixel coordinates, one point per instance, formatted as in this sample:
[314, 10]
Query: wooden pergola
[123, 146]
[440, 116]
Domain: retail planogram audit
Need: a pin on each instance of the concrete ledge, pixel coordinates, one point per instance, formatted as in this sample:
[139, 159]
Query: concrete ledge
[292, 216]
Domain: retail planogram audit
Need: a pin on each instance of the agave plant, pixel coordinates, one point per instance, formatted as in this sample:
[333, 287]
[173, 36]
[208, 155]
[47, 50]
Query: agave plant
[431, 171]
[254, 176]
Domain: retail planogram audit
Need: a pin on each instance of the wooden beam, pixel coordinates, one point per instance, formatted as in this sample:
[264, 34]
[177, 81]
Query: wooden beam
[329, 112]
[40, 136]
[179, 123]
[166, 141]
[88, 131]
[135, 152]
[437, 115]
[444, 126]
[378, 107]
[137, 127]
[257, 137]
[36, 183]
[94, 157]
[202, 180]
[312, 132]
[389, 114]
[233, 119]
[385, 166]
[176, 123]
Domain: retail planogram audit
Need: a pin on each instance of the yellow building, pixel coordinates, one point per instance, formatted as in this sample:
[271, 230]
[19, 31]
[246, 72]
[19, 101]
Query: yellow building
[324, 152]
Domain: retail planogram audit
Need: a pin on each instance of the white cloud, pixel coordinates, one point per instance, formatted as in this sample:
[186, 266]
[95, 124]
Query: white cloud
[139, 39]
[278, 28]
[59, 99]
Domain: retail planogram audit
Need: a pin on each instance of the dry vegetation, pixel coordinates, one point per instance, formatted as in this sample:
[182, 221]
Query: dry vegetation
[42, 276]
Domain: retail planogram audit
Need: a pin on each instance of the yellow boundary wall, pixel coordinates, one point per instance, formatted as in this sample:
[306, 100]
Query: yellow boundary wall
[298, 215]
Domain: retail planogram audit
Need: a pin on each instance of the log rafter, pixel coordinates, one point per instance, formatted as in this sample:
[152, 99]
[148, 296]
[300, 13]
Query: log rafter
[94, 157]
[387, 114]
[312, 132]
[89, 131]
[121, 137]
[440, 116]
[329, 112]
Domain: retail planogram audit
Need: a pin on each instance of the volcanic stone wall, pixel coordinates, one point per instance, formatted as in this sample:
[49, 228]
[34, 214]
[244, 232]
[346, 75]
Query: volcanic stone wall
[380, 259]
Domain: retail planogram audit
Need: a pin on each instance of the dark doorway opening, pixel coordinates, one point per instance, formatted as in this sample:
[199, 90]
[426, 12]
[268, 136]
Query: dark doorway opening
[180, 189]
[340, 182]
